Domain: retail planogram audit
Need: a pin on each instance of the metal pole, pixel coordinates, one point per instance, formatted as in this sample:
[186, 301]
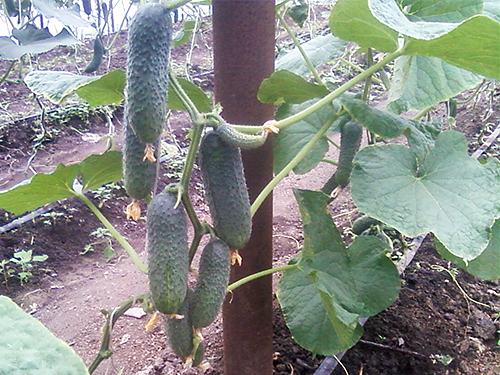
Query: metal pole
[243, 57]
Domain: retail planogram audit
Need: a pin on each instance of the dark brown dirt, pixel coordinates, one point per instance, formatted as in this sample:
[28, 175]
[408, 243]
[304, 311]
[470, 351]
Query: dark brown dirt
[432, 321]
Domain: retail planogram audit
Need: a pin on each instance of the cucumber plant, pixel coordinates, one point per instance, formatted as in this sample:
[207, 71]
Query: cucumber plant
[413, 188]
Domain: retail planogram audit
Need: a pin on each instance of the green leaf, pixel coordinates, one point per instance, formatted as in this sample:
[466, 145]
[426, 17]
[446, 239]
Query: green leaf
[185, 34]
[487, 265]
[443, 10]
[298, 12]
[322, 234]
[68, 17]
[477, 51]
[55, 85]
[107, 89]
[27, 347]
[202, 102]
[332, 287]
[286, 86]
[11, 51]
[40, 190]
[352, 20]
[389, 13]
[320, 49]
[420, 82]
[46, 188]
[492, 9]
[449, 193]
[290, 140]
[97, 170]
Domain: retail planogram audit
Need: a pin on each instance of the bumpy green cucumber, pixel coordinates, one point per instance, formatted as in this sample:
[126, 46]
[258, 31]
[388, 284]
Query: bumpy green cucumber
[150, 35]
[180, 334]
[242, 140]
[99, 52]
[139, 175]
[350, 140]
[180, 331]
[213, 278]
[226, 190]
[168, 254]
[363, 223]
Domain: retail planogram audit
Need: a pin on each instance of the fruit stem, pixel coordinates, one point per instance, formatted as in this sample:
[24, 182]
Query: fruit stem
[256, 275]
[116, 235]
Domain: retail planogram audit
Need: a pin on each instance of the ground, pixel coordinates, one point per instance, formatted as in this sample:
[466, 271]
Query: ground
[437, 326]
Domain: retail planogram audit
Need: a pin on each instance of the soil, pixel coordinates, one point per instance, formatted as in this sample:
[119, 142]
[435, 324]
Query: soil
[437, 326]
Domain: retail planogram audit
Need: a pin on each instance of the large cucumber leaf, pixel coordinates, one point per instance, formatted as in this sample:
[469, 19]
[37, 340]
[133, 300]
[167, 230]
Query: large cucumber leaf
[389, 13]
[320, 49]
[476, 51]
[286, 86]
[352, 20]
[27, 347]
[442, 10]
[107, 89]
[68, 17]
[290, 140]
[41, 189]
[12, 51]
[55, 85]
[420, 82]
[447, 193]
[487, 265]
[333, 286]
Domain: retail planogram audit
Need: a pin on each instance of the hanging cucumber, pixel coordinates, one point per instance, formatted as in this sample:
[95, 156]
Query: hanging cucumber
[350, 140]
[148, 54]
[139, 175]
[167, 248]
[99, 52]
[226, 190]
[181, 336]
[363, 223]
[213, 278]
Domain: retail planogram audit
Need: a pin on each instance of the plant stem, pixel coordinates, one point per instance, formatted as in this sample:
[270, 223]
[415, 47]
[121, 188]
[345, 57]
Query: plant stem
[300, 48]
[194, 114]
[423, 113]
[256, 275]
[284, 172]
[4, 77]
[111, 318]
[339, 91]
[359, 69]
[116, 235]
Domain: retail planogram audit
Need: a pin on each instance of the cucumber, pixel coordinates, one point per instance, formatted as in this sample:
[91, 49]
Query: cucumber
[87, 7]
[226, 190]
[180, 331]
[181, 336]
[213, 278]
[148, 54]
[99, 52]
[350, 140]
[363, 223]
[139, 175]
[168, 252]
[242, 140]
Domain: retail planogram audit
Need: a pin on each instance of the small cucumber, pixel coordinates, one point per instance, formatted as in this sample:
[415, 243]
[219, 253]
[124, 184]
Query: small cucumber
[242, 140]
[180, 331]
[226, 190]
[139, 175]
[168, 252]
[363, 223]
[213, 278]
[148, 54]
[350, 140]
[181, 336]
[99, 52]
